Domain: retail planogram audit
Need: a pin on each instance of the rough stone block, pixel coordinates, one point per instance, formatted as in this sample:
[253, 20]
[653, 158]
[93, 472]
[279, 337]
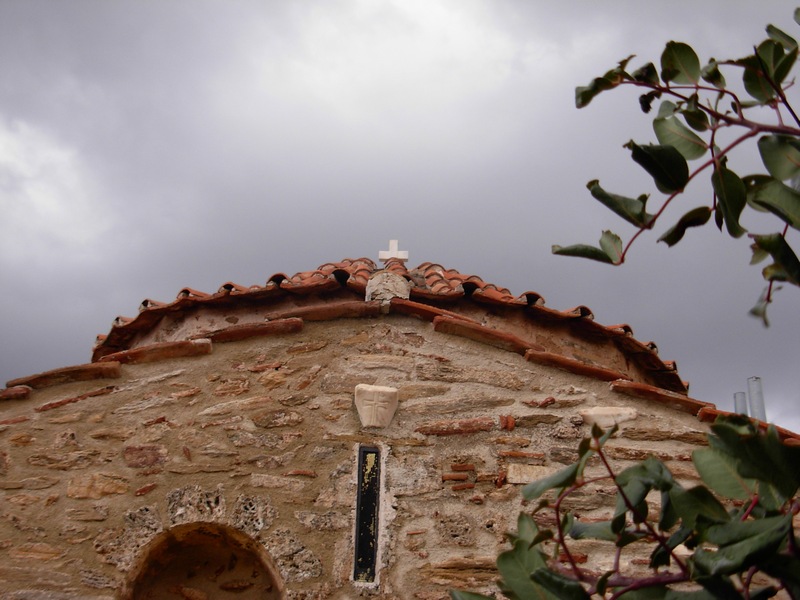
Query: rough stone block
[192, 503]
[139, 457]
[97, 485]
[522, 474]
[607, 416]
[385, 285]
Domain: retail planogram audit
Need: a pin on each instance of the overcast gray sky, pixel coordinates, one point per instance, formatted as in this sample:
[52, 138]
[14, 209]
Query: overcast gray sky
[148, 146]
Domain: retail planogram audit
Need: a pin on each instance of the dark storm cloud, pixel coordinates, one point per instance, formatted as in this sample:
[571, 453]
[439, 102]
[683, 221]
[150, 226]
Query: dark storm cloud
[145, 146]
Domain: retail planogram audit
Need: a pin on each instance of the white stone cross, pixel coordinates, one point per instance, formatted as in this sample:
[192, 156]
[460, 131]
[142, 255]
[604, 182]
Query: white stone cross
[393, 252]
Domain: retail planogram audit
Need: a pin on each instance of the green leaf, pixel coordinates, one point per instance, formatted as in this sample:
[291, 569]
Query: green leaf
[737, 556]
[694, 218]
[759, 309]
[696, 118]
[754, 81]
[713, 75]
[697, 503]
[777, 63]
[780, 155]
[664, 164]
[559, 480]
[611, 79]
[738, 531]
[787, 41]
[630, 209]
[612, 246]
[646, 74]
[680, 64]
[459, 595]
[779, 199]
[784, 67]
[760, 455]
[594, 531]
[610, 250]
[671, 132]
[559, 585]
[753, 183]
[732, 195]
[516, 566]
[718, 471]
[786, 266]
[582, 251]
[660, 557]
[797, 15]
[766, 69]
[527, 529]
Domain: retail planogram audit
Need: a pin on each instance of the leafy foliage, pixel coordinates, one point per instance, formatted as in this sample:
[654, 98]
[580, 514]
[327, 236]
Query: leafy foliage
[697, 106]
[732, 543]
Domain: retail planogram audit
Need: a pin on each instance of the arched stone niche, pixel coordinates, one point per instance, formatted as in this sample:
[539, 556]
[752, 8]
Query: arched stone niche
[199, 561]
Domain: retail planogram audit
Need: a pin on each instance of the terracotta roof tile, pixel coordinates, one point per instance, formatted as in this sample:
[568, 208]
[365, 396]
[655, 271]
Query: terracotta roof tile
[433, 287]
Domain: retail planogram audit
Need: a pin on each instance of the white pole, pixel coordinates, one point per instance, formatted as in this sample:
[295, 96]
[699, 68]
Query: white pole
[754, 391]
[740, 403]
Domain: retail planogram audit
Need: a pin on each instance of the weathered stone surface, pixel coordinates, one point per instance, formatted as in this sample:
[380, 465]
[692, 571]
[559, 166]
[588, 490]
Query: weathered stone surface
[277, 482]
[441, 406]
[343, 383]
[64, 461]
[456, 529]
[537, 419]
[232, 386]
[305, 347]
[111, 433]
[35, 551]
[458, 426]
[521, 473]
[120, 547]
[242, 439]
[147, 403]
[441, 371]
[391, 362]
[385, 285]
[276, 418]
[97, 485]
[413, 475]
[139, 457]
[275, 379]
[327, 521]
[161, 351]
[43, 576]
[71, 400]
[607, 416]
[410, 391]
[97, 512]
[23, 499]
[648, 434]
[376, 404]
[295, 561]
[251, 514]
[236, 406]
[29, 483]
[193, 503]
[95, 579]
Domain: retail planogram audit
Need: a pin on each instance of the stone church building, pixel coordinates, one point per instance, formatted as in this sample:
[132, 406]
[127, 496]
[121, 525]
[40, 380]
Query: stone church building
[353, 431]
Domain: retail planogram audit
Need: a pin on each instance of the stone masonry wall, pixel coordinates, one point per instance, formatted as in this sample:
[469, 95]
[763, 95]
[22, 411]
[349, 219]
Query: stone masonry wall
[261, 436]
